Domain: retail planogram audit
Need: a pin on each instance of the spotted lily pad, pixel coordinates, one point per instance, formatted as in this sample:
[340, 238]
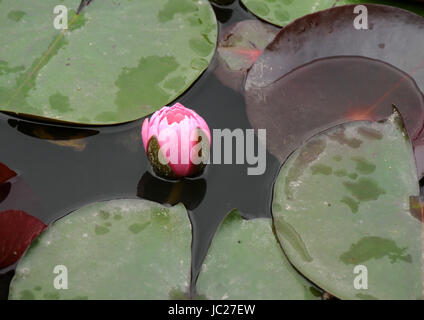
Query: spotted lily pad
[118, 61]
[343, 200]
[120, 249]
[314, 75]
[282, 12]
[245, 261]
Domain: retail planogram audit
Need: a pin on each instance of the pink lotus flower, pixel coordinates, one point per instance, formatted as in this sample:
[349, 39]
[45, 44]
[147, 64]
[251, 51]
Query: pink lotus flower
[177, 141]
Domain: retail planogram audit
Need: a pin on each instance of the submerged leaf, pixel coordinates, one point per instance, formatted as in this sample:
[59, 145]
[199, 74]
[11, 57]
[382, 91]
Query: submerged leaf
[348, 205]
[120, 249]
[246, 262]
[239, 47]
[116, 62]
[70, 137]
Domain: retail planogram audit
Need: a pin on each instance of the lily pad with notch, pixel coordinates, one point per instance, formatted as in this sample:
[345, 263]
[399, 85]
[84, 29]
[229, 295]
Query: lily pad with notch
[245, 261]
[342, 200]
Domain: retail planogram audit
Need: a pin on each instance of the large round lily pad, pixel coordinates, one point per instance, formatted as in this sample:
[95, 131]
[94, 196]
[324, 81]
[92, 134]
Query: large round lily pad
[282, 12]
[120, 249]
[245, 261]
[331, 33]
[118, 60]
[343, 200]
[294, 95]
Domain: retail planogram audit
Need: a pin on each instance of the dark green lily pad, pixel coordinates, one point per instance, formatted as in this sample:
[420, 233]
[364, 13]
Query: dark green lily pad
[118, 61]
[120, 249]
[245, 261]
[282, 12]
[342, 200]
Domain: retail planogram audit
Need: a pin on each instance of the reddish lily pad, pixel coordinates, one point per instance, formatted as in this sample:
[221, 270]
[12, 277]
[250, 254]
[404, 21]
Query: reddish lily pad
[17, 231]
[5, 173]
[294, 96]
[17, 227]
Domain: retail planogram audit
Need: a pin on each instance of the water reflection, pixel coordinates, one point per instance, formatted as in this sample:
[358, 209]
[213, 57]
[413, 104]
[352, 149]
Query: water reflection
[190, 192]
[58, 135]
[5, 279]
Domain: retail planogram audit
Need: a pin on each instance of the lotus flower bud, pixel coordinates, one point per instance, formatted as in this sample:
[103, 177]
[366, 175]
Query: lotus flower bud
[177, 142]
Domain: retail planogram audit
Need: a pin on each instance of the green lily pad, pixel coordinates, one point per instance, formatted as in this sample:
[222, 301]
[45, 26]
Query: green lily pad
[120, 249]
[413, 6]
[117, 62]
[282, 12]
[245, 261]
[342, 200]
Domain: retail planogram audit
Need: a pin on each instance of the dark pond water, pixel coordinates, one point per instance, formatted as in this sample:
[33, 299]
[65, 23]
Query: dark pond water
[110, 163]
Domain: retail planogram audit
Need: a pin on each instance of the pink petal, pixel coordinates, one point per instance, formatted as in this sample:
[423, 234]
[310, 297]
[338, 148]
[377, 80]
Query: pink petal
[173, 127]
[145, 133]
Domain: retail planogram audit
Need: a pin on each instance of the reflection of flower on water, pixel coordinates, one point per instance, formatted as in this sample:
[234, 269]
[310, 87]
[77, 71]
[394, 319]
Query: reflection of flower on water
[190, 192]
